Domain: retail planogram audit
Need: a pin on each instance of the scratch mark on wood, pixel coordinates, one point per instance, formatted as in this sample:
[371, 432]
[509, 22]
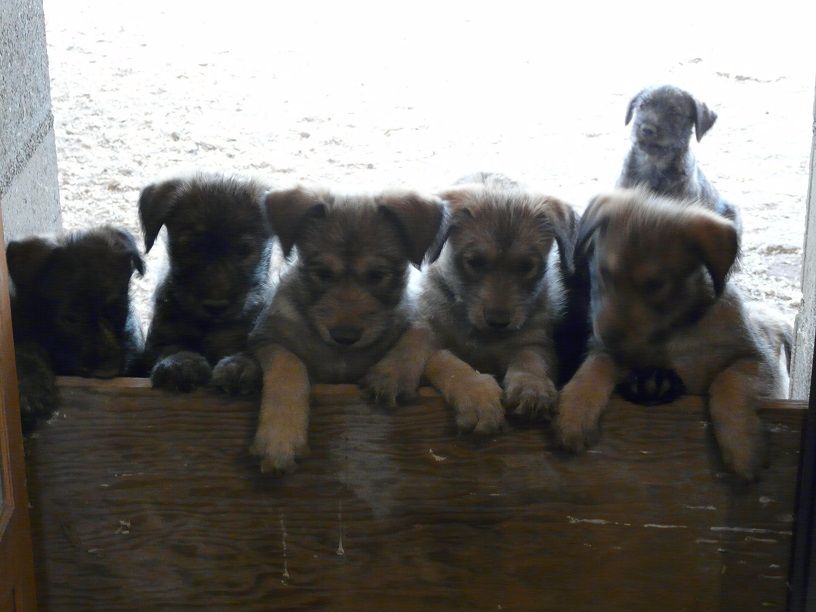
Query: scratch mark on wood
[285, 573]
[340, 550]
[700, 507]
[750, 530]
[657, 526]
[437, 458]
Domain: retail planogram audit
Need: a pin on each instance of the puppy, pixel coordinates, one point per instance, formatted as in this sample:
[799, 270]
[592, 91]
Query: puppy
[71, 311]
[219, 250]
[339, 307]
[660, 157]
[491, 303]
[660, 298]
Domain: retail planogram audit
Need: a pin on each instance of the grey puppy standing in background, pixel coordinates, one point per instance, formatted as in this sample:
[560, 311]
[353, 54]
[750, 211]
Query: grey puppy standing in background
[660, 157]
[339, 307]
[219, 250]
[660, 298]
[489, 306]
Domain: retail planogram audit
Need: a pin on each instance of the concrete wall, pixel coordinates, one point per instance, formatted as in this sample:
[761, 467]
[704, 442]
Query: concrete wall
[806, 320]
[29, 192]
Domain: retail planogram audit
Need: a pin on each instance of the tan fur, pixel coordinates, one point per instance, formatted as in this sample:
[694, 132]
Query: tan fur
[488, 306]
[339, 307]
[660, 298]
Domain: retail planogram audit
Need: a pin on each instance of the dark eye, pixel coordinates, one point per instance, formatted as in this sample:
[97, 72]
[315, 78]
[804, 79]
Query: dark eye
[375, 277]
[476, 263]
[322, 273]
[525, 266]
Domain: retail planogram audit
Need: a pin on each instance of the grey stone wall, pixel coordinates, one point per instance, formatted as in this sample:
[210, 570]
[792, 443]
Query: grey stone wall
[29, 191]
[802, 365]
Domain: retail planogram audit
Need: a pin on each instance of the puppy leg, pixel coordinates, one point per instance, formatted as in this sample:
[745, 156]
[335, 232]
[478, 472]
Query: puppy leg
[475, 397]
[237, 374]
[583, 400]
[737, 426]
[397, 375]
[528, 384]
[181, 371]
[282, 434]
[37, 386]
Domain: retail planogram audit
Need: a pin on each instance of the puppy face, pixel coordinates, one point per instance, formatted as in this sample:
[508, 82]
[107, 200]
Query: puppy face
[73, 293]
[218, 241]
[497, 252]
[353, 256]
[655, 266]
[664, 119]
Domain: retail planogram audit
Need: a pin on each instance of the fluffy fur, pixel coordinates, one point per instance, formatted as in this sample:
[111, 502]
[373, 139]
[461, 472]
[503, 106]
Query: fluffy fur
[660, 298]
[490, 304]
[339, 307]
[71, 311]
[219, 250]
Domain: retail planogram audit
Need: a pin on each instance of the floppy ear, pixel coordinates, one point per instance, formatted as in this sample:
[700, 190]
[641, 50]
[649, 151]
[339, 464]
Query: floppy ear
[155, 203]
[564, 222]
[595, 216]
[26, 259]
[630, 110]
[123, 242]
[288, 211]
[704, 118]
[455, 209]
[715, 240]
[418, 218]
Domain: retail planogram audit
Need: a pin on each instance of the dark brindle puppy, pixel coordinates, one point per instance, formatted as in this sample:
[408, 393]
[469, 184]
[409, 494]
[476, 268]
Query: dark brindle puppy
[491, 302]
[660, 298]
[660, 157]
[339, 307]
[219, 249]
[71, 311]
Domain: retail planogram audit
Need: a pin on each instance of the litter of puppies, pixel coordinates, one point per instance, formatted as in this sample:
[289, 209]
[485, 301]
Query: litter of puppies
[524, 310]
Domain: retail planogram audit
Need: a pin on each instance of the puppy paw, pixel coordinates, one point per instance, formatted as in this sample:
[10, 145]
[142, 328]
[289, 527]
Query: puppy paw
[530, 396]
[386, 383]
[577, 424]
[182, 371]
[743, 446]
[237, 375]
[278, 448]
[38, 392]
[478, 405]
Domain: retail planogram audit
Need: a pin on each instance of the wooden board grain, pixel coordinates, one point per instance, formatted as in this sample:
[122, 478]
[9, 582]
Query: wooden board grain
[147, 500]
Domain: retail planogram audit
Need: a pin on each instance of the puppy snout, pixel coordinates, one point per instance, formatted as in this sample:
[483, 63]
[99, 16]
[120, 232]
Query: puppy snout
[498, 318]
[346, 334]
[647, 131]
[215, 307]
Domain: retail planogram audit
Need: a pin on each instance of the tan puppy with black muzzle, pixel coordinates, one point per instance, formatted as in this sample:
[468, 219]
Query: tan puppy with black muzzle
[660, 297]
[489, 306]
[339, 306]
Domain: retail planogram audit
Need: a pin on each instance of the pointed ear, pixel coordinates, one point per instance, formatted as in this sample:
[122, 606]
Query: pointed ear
[26, 259]
[563, 220]
[288, 212]
[704, 118]
[123, 241]
[418, 218]
[155, 203]
[716, 242]
[630, 110]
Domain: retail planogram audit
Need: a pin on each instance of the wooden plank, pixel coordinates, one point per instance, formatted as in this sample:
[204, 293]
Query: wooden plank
[146, 500]
[806, 319]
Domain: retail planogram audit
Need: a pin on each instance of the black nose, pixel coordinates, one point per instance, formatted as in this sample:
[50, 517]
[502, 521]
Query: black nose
[215, 307]
[497, 318]
[345, 334]
[647, 131]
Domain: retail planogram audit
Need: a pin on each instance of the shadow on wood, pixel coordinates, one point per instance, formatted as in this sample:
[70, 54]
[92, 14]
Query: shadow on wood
[144, 500]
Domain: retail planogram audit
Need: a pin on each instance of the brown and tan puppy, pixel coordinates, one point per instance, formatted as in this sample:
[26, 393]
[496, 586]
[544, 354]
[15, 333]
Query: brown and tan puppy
[660, 298]
[341, 304]
[490, 304]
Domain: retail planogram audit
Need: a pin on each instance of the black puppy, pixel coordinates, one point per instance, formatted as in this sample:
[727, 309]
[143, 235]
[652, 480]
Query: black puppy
[71, 311]
[660, 157]
[219, 249]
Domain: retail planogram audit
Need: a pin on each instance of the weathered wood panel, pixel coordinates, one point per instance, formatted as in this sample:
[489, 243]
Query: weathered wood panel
[145, 500]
